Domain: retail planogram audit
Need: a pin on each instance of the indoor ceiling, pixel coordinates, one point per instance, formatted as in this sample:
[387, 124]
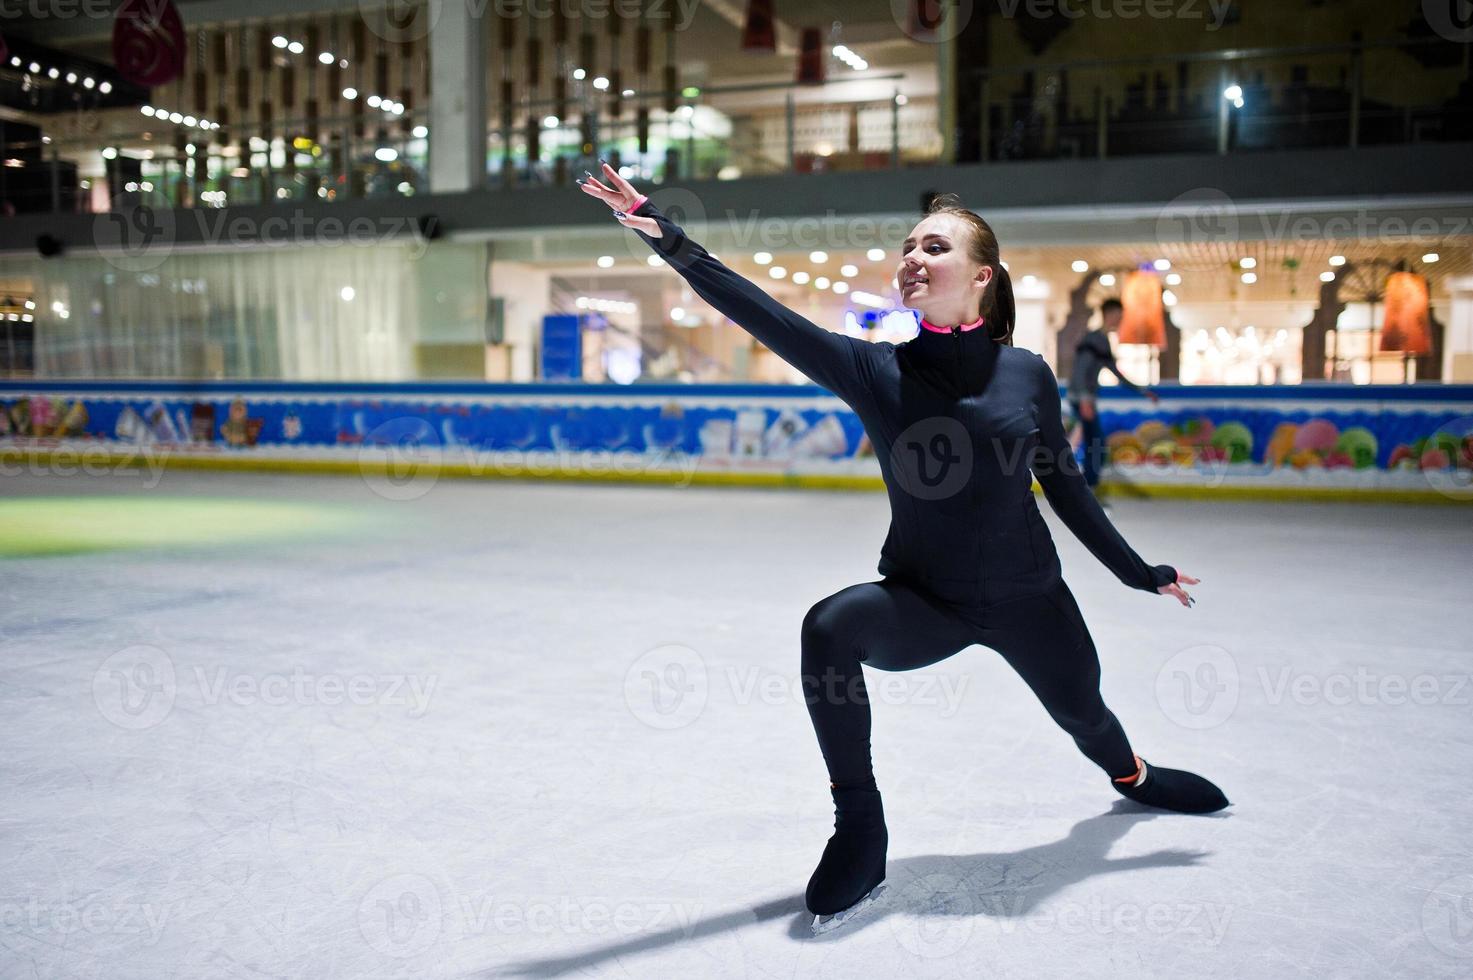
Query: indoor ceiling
[1209, 272]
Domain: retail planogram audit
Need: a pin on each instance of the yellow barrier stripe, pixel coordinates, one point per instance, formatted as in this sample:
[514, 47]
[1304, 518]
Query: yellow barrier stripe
[737, 479]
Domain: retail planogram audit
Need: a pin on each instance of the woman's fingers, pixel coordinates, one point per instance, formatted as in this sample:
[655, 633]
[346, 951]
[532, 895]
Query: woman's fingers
[1176, 590]
[617, 179]
[646, 225]
[592, 186]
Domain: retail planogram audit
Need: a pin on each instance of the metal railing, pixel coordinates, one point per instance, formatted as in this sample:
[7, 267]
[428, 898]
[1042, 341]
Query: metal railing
[1216, 102]
[142, 170]
[759, 143]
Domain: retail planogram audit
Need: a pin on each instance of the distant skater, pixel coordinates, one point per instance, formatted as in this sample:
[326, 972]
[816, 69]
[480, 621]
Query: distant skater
[1091, 356]
[961, 422]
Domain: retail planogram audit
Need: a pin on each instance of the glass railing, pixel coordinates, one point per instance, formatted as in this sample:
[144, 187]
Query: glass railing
[1346, 95]
[725, 133]
[142, 168]
[1343, 95]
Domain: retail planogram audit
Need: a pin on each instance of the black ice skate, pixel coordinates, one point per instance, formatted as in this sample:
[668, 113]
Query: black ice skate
[1173, 789]
[850, 876]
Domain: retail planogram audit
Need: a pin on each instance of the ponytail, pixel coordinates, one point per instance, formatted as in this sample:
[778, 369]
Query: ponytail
[1002, 312]
[997, 304]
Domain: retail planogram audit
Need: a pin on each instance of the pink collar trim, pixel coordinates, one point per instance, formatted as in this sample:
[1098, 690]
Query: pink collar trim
[965, 326]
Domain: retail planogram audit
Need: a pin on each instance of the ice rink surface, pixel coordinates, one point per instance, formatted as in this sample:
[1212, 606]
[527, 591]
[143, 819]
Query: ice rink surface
[525, 730]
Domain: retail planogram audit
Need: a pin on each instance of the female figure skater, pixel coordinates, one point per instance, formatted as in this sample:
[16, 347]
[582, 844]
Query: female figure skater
[961, 422]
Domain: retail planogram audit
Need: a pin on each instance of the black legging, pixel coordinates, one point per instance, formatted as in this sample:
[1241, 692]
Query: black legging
[894, 625]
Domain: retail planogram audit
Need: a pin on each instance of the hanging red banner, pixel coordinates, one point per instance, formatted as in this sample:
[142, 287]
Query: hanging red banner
[758, 33]
[148, 42]
[1144, 317]
[925, 17]
[811, 57]
[1407, 326]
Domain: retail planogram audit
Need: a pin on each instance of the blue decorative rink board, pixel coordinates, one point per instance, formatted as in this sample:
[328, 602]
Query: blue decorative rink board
[1323, 440]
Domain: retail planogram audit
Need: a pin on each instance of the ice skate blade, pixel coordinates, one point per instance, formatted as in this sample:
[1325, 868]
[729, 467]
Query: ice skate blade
[828, 923]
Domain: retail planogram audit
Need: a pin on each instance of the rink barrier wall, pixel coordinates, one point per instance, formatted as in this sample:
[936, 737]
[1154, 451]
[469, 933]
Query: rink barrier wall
[1309, 442]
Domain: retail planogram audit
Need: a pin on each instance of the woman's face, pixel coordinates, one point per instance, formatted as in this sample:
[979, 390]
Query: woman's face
[935, 272]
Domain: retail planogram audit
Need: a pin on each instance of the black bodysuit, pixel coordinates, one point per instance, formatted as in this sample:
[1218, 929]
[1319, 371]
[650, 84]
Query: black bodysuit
[960, 425]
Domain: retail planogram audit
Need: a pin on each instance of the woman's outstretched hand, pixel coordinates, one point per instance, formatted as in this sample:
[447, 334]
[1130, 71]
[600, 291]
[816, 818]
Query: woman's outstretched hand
[620, 195]
[1175, 588]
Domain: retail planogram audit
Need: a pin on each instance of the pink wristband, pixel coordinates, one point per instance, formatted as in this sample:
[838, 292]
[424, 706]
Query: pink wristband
[642, 198]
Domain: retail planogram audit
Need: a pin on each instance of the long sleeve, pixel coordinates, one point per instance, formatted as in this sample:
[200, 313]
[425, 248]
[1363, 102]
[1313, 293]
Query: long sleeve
[1071, 498]
[1101, 345]
[1114, 369]
[844, 365]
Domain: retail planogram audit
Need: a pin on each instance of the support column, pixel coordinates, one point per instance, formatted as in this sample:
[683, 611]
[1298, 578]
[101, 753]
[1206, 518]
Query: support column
[1457, 351]
[526, 292]
[458, 108]
[1031, 329]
